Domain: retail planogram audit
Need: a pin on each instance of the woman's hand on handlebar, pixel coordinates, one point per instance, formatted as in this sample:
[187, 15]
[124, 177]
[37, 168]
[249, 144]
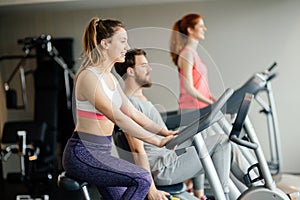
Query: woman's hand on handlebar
[155, 194]
[166, 132]
[164, 140]
[213, 99]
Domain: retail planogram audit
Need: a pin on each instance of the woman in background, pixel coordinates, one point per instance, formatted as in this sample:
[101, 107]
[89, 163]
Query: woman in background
[194, 88]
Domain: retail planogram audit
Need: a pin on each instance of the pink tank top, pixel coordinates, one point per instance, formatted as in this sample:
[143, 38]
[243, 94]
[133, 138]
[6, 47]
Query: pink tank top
[200, 82]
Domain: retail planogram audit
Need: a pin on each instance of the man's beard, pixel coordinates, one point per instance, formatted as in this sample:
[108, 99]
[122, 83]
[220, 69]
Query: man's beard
[147, 85]
[144, 83]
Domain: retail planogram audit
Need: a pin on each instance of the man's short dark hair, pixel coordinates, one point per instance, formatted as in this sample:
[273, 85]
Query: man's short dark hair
[121, 68]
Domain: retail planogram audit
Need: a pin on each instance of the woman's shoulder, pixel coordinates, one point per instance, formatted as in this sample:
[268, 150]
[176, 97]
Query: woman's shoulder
[186, 55]
[86, 76]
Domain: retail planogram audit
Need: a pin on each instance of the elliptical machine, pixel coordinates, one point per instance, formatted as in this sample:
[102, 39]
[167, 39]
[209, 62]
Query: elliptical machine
[250, 141]
[266, 191]
[261, 83]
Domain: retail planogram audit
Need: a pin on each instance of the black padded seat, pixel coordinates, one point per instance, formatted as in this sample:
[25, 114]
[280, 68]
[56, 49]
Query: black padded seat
[70, 184]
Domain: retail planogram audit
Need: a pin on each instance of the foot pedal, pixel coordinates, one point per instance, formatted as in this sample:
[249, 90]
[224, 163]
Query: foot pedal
[247, 177]
[172, 198]
[29, 197]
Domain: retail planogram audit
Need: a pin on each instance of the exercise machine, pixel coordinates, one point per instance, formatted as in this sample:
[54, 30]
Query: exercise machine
[260, 84]
[49, 92]
[191, 131]
[211, 115]
[266, 191]
[250, 141]
[27, 139]
[11, 95]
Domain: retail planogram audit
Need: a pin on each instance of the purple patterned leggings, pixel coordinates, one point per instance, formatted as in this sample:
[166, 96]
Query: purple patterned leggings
[88, 157]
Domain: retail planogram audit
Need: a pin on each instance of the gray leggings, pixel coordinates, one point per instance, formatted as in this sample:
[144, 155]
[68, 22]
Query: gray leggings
[187, 166]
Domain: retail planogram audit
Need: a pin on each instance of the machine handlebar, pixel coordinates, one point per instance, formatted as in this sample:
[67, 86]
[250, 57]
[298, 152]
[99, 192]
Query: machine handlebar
[235, 134]
[271, 77]
[267, 74]
[202, 122]
[272, 67]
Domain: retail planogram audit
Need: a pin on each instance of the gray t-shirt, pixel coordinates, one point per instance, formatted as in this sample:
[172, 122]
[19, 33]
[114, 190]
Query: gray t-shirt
[158, 157]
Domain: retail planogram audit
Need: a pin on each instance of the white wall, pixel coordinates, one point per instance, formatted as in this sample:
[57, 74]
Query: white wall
[243, 37]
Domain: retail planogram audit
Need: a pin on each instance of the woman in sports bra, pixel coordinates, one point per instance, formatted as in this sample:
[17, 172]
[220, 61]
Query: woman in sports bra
[100, 104]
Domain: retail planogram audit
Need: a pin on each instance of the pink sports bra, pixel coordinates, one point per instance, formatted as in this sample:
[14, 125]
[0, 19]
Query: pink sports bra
[87, 110]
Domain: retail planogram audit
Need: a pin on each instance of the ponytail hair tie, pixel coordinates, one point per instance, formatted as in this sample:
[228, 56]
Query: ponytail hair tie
[98, 22]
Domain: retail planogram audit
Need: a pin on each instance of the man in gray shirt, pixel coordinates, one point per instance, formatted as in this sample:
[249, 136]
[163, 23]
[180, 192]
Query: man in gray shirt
[168, 166]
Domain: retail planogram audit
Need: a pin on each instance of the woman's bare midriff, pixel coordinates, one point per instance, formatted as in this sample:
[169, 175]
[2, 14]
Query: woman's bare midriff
[95, 127]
